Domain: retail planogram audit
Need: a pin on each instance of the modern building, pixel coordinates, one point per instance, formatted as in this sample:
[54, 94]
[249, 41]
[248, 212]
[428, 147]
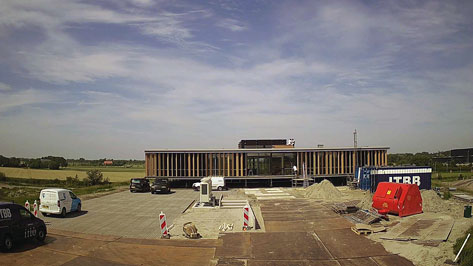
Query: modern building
[462, 156]
[276, 162]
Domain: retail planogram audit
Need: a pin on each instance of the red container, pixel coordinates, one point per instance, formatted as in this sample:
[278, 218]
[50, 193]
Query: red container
[396, 198]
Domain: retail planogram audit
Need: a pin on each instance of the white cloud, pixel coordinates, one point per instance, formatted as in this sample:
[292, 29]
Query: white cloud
[5, 87]
[19, 99]
[231, 24]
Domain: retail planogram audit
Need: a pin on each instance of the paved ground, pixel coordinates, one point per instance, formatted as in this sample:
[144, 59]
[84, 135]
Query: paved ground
[77, 249]
[302, 232]
[298, 232]
[125, 214]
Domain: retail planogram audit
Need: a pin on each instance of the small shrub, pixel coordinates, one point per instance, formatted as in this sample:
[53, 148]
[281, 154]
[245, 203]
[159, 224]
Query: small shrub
[466, 256]
[460, 177]
[440, 176]
[447, 195]
[94, 177]
[3, 177]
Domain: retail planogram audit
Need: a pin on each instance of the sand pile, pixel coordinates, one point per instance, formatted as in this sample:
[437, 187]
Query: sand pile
[366, 202]
[431, 202]
[323, 190]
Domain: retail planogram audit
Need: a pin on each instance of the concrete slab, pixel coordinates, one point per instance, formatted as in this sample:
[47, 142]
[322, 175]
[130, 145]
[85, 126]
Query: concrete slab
[287, 245]
[392, 260]
[36, 256]
[357, 262]
[235, 245]
[343, 243]
[81, 261]
[423, 228]
[293, 263]
[153, 255]
[307, 226]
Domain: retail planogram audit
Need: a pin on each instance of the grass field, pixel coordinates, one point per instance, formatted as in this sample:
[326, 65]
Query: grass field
[115, 174]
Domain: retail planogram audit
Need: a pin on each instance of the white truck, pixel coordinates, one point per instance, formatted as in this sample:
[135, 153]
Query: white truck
[218, 183]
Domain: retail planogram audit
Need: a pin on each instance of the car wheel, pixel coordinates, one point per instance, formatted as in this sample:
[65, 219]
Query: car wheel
[41, 234]
[44, 214]
[63, 213]
[79, 207]
[220, 188]
[7, 243]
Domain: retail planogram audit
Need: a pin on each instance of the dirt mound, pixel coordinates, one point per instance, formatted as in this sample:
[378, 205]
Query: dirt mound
[366, 202]
[431, 202]
[323, 190]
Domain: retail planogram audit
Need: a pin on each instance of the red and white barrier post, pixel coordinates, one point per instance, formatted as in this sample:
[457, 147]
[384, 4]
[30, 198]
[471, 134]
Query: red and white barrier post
[35, 208]
[27, 205]
[163, 225]
[246, 211]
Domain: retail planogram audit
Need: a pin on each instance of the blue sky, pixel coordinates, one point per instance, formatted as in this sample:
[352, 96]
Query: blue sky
[107, 78]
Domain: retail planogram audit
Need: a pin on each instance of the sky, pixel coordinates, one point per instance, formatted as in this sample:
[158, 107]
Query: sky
[109, 79]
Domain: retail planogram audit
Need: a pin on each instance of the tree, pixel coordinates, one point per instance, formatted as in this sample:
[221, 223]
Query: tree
[36, 164]
[53, 165]
[94, 177]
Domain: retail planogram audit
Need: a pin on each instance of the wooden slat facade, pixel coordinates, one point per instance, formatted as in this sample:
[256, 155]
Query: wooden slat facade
[235, 163]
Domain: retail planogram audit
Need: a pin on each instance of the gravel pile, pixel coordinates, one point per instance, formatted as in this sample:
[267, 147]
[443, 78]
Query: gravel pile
[366, 202]
[431, 202]
[323, 190]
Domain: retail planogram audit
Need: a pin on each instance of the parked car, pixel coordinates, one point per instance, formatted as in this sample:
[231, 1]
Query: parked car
[17, 224]
[160, 185]
[139, 184]
[218, 183]
[58, 201]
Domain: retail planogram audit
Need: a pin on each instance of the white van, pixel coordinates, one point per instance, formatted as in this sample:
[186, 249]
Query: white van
[218, 183]
[58, 201]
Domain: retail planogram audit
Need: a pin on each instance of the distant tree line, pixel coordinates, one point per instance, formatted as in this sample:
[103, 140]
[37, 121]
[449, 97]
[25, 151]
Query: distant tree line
[48, 162]
[99, 162]
[56, 162]
[439, 161]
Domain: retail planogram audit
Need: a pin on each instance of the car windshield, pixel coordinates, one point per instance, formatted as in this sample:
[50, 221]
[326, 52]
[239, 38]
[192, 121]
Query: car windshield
[161, 181]
[136, 181]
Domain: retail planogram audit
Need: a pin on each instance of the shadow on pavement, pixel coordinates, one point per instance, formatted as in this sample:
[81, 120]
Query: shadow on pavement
[26, 245]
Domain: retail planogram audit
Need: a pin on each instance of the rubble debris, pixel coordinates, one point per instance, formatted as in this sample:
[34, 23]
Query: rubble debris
[366, 202]
[365, 217]
[344, 208]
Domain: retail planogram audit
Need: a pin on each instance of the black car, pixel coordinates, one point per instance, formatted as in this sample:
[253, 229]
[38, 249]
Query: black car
[160, 185]
[139, 184]
[17, 224]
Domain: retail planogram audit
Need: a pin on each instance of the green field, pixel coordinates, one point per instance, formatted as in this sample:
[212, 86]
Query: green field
[115, 174]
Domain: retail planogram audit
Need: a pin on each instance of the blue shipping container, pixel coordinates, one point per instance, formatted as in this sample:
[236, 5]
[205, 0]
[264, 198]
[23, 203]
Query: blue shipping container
[371, 176]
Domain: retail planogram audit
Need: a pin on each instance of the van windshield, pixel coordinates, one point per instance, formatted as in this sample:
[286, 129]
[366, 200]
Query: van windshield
[161, 181]
[136, 181]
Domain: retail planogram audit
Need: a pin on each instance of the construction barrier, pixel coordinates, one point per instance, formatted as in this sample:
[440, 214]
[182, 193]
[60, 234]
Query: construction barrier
[163, 225]
[246, 211]
[35, 208]
[27, 205]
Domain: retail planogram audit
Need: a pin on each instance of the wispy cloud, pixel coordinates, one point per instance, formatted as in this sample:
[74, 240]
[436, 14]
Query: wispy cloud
[231, 24]
[157, 74]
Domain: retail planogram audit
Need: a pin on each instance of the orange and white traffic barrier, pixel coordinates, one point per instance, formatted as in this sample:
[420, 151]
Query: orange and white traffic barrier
[35, 208]
[27, 205]
[163, 225]
[246, 211]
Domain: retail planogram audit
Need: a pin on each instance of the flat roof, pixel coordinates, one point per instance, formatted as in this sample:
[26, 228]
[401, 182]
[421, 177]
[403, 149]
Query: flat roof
[264, 149]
